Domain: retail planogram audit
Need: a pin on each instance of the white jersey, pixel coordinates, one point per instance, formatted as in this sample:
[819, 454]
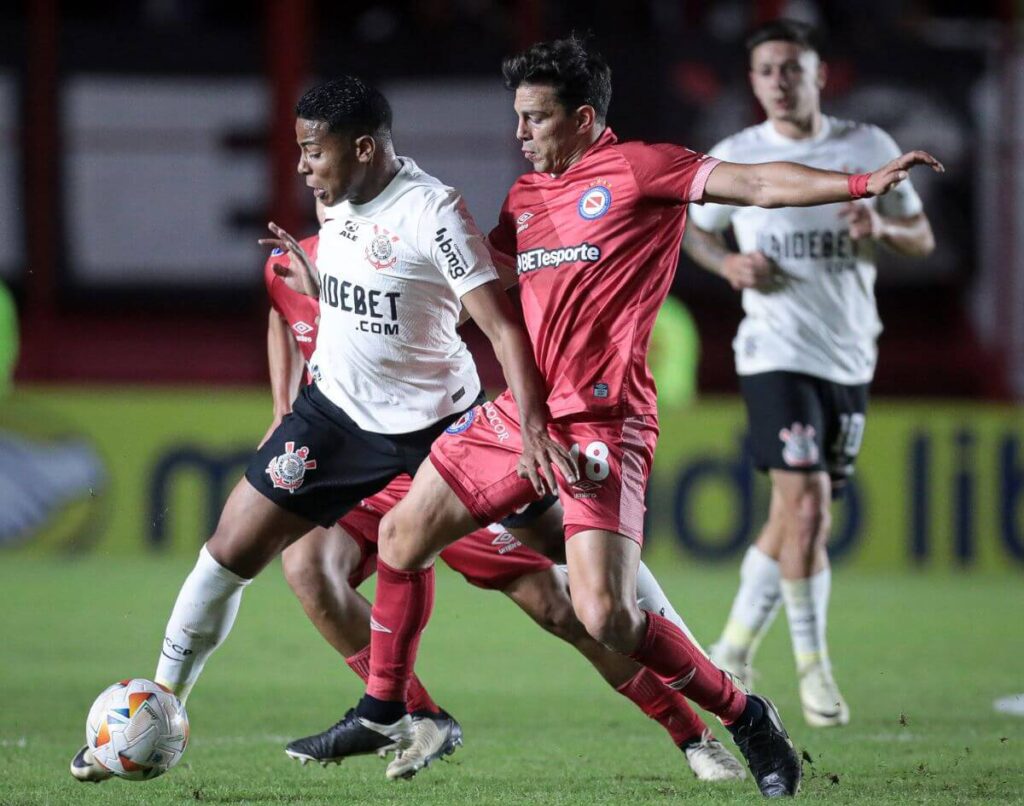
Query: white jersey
[823, 320]
[392, 272]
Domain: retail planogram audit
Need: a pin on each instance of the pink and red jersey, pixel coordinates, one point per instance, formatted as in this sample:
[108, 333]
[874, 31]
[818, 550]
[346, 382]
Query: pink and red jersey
[596, 250]
[301, 312]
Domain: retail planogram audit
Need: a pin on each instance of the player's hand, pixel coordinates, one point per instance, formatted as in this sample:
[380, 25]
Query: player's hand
[540, 452]
[862, 219]
[888, 176]
[751, 270]
[301, 276]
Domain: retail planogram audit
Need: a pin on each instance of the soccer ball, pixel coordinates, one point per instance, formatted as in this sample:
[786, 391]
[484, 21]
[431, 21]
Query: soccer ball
[137, 729]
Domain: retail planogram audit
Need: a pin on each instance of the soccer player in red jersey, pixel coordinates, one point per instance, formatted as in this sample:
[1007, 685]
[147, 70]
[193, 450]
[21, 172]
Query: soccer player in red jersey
[596, 231]
[325, 568]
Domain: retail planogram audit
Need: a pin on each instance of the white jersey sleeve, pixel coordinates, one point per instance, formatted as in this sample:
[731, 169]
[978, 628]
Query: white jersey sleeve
[450, 239]
[902, 201]
[710, 216]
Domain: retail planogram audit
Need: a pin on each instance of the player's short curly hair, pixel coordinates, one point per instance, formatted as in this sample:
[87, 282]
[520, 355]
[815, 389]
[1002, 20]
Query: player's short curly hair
[348, 105]
[785, 30]
[579, 76]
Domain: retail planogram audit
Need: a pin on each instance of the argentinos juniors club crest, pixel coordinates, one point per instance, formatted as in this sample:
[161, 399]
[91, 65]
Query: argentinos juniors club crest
[380, 251]
[288, 471]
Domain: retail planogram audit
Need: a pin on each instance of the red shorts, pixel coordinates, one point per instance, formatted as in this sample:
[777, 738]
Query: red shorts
[489, 558]
[477, 456]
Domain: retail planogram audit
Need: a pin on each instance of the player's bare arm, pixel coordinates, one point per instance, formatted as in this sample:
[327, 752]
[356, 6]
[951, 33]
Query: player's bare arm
[304, 280]
[490, 308]
[789, 184]
[286, 365]
[907, 235]
[709, 251]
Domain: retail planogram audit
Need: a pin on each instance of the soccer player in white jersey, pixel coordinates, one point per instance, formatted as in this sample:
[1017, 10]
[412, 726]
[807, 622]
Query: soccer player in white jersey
[399, 258]
[805, 351]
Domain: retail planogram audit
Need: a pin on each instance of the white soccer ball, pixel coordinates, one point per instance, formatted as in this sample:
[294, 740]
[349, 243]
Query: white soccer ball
[137, 729]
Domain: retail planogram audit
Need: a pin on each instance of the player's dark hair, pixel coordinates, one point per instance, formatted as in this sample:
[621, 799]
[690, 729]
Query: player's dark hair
[578, 76]
[785, 30]
[349, 106]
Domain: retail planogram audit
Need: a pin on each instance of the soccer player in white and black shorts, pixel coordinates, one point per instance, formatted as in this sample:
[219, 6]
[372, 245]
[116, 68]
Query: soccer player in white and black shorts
[805, 351]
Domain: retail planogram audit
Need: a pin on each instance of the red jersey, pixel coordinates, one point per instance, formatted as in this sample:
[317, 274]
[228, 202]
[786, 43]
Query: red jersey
[596, 250]
[302, 313]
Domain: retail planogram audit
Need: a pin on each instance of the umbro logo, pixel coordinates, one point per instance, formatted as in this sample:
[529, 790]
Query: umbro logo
[683, 681]
[376, 625]
[302, 328]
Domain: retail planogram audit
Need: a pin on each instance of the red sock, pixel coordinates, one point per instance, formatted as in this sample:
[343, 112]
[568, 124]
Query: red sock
[416, 696]
[667, 707]
[667, 652]
[400, 613]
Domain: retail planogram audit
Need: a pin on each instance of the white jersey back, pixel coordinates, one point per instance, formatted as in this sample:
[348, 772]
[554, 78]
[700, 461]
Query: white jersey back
[392, 272]
[822, 319]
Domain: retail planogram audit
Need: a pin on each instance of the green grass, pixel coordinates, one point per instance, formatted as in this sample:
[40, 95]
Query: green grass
[920, 659]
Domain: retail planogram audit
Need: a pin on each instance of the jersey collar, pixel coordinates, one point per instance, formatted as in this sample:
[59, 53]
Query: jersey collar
[772, 135]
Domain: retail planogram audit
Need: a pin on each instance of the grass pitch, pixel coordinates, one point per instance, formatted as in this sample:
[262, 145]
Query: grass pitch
[919, 658]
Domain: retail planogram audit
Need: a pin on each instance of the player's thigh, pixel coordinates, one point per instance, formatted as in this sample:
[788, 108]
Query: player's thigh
[492, 558]
[801, 499]
[540, 527]
[430, 517]
[253, 530]
[602, 578]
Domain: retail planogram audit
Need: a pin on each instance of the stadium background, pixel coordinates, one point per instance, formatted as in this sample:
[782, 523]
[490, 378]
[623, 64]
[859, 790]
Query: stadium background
[148, 142]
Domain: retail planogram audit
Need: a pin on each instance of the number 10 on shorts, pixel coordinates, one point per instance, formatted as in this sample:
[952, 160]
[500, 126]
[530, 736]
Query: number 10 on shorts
[595, 456]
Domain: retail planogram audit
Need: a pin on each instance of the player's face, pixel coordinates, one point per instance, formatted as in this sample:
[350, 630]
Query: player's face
[328, 161]
[787, 80]
[550, 134]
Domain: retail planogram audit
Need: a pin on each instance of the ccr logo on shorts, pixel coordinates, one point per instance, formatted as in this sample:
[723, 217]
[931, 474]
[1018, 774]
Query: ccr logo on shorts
[497, 424]
[464, 422]
[594, 202]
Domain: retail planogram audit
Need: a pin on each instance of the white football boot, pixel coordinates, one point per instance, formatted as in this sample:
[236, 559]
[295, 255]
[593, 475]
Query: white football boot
[823, 705]
[86, 768]
[432, 738]
[711, 761]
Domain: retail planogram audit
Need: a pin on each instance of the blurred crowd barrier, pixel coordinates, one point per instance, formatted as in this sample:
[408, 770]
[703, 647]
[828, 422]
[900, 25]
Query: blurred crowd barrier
[134, 470]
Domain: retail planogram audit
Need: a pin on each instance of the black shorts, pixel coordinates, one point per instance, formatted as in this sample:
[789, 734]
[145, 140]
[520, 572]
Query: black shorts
[526, 515]
[319, 464]
[804, 423]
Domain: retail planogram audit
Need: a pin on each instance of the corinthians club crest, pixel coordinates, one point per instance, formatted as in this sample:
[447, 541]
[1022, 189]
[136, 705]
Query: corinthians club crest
[288, 471]
[380, 252]
[799, 448]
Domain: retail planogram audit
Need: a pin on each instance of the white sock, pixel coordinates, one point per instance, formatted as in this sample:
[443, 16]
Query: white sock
[807, 608]
[755, 606]
[650, 596]
[202, 618]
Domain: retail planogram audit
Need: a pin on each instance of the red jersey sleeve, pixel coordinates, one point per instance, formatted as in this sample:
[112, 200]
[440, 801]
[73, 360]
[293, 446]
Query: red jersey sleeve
[502, 239]
[276, 258]
[669, 172]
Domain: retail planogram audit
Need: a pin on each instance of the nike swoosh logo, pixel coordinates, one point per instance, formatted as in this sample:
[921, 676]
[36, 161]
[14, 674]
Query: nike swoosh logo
[376, 625]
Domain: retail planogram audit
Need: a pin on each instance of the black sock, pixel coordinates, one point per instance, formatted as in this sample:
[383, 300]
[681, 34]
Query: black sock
[752, 712]
[383, 712]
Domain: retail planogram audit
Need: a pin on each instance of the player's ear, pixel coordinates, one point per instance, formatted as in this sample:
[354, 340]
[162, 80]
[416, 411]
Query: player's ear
[822, 75]
[586, 117]
[365, 147]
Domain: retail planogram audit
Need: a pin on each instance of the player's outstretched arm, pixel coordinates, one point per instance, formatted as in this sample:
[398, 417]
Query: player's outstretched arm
[286, 365]
[490, 308]
[305, 280]
[789, 184]
[709, 251]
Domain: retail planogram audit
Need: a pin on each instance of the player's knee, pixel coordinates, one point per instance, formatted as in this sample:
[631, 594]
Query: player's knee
[809, 517]
[302, 566]
[396, 540]
[608, 621]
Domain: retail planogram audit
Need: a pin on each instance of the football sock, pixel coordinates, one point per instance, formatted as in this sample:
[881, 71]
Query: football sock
[401, 610]
[756, 604]
[681, 664]
[752, 711]
[200, 621]
[417, 700]
[806, 607]
[650, 596]
[666, 707]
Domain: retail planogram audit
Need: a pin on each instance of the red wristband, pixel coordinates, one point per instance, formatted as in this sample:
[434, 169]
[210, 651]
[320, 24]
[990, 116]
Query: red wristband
[858, 185]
